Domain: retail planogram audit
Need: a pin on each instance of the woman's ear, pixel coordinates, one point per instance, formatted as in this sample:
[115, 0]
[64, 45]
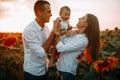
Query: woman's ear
[86, 24]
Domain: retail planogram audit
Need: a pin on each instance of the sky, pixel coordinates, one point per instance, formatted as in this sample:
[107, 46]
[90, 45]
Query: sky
[16, 14]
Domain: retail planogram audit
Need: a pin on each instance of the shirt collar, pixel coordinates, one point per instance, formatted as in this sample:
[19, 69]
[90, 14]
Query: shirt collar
[37, 25]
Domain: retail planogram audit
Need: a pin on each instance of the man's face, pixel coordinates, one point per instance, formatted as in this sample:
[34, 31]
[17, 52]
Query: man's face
[46, 14]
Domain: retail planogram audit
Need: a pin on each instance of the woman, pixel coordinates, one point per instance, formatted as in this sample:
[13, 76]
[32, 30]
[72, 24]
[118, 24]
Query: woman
[85, 38]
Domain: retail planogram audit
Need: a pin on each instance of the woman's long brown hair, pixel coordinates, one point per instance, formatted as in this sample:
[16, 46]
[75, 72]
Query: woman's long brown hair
[93, 33]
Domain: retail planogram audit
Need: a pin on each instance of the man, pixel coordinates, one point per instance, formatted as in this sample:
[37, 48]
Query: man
[36, 43]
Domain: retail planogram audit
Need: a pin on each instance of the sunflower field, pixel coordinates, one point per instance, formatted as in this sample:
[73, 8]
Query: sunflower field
[106, 68]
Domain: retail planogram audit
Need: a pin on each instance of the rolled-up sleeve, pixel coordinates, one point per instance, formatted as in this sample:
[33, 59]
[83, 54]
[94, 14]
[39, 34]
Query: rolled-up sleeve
[33, 43]
[72, 45]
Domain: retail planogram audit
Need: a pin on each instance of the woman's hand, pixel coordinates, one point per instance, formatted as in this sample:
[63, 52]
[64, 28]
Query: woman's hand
[71, 32]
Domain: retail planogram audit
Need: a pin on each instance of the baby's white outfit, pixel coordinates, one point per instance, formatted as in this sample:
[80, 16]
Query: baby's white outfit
[64, 24]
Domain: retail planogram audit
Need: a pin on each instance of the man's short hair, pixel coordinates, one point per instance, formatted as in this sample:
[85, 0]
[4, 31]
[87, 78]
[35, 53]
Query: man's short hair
[39, 5]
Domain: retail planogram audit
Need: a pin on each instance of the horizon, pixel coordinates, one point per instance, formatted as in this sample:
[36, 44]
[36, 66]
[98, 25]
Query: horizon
[100, 30]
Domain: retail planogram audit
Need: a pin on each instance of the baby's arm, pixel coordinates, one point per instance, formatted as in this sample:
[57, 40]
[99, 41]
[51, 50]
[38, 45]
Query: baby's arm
[69, 27]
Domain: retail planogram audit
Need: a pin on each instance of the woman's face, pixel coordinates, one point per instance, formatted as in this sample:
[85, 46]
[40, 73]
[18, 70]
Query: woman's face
[82, 22]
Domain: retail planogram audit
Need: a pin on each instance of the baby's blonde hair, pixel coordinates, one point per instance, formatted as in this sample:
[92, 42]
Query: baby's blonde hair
[64, 7]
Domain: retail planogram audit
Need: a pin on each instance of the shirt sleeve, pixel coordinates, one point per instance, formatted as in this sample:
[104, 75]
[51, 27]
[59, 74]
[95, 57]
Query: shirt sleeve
[79, 44]
[33, 43]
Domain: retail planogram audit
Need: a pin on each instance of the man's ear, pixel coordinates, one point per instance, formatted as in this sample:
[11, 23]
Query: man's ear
[39, 12]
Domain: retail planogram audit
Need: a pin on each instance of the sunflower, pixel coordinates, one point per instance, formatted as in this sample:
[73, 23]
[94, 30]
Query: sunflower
[10, 41]
[106, 64]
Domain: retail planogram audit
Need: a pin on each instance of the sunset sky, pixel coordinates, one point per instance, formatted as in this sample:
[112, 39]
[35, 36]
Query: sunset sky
[16, 14]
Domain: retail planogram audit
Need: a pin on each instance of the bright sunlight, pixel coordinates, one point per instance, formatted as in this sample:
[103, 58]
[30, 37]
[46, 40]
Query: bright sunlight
[16, 14]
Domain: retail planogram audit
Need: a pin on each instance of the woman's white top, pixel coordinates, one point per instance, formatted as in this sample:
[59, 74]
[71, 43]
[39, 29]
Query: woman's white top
[70, 48]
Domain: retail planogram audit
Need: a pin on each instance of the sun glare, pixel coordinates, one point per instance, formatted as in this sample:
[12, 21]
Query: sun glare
[17, 20]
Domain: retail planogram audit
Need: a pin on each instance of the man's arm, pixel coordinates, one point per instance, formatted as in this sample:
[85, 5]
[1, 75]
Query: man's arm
[47, 44]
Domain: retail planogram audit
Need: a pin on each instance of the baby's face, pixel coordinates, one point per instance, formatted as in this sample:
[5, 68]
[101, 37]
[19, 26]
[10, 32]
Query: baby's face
[65, 15]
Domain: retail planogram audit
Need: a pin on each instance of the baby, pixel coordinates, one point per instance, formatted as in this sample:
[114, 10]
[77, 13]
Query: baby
[63, 27]
[64, 23]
